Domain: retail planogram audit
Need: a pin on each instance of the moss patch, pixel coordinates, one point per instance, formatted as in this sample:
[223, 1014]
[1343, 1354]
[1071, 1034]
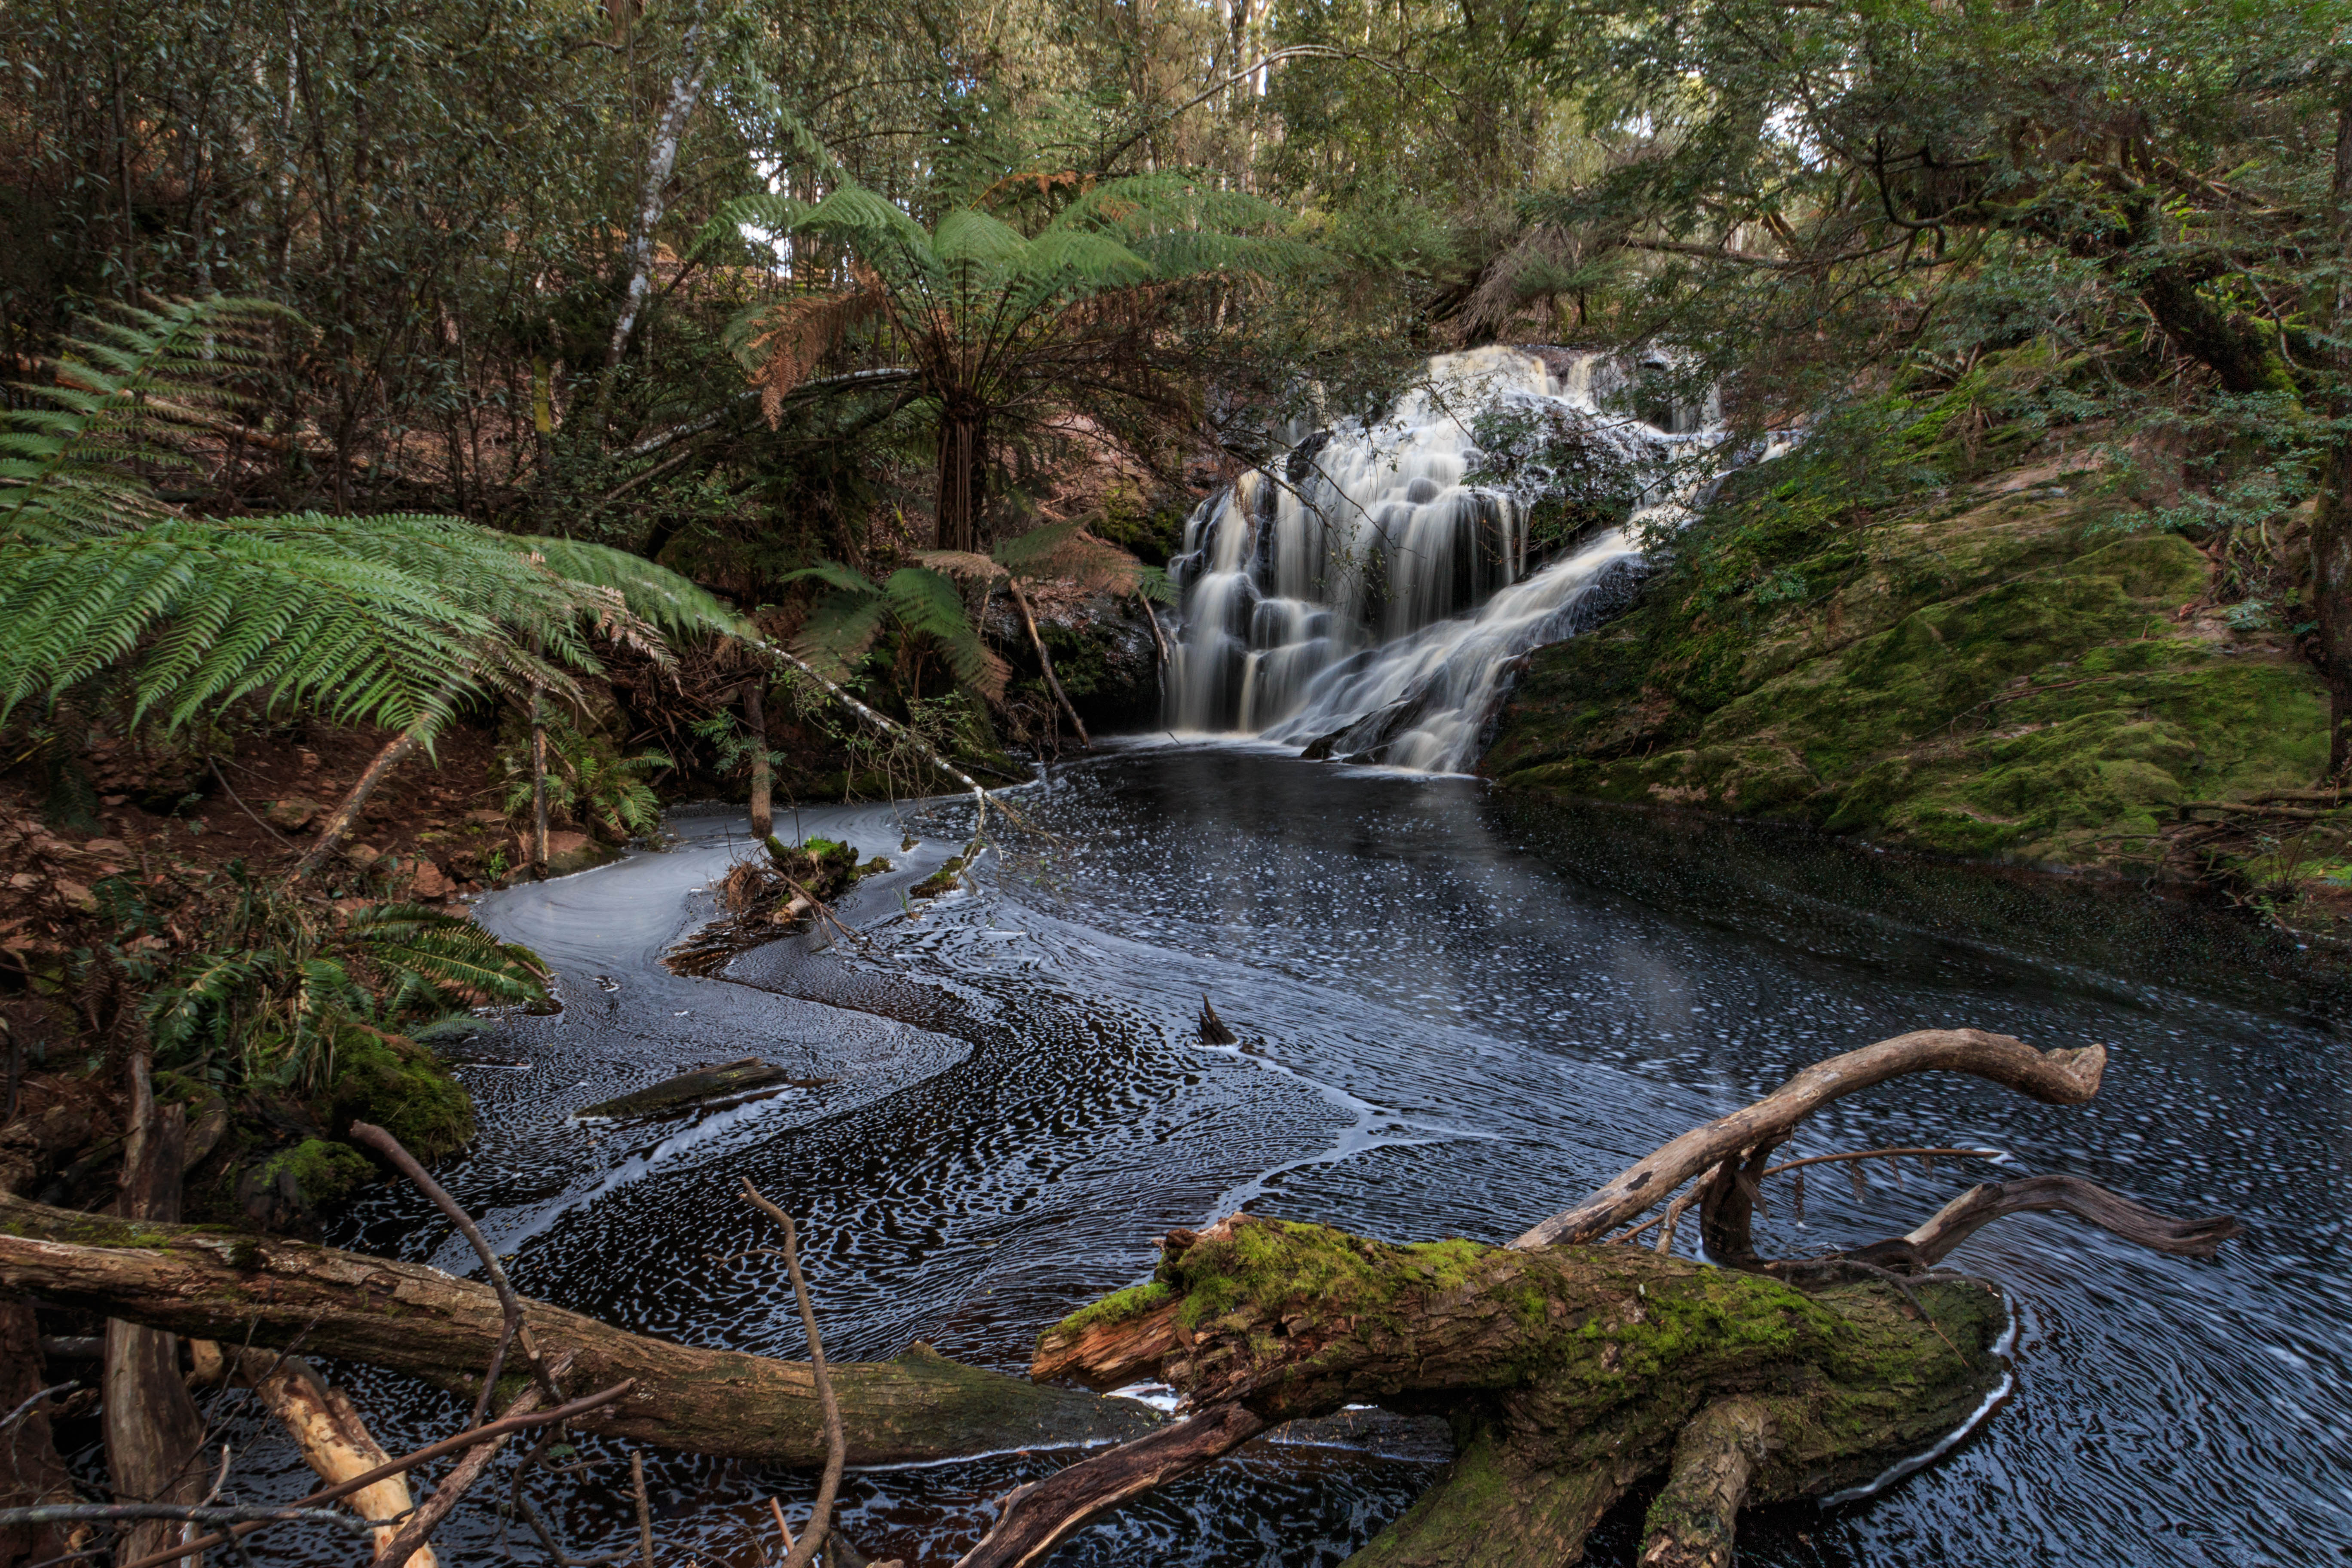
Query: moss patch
[403, 1087]
[1997, 677]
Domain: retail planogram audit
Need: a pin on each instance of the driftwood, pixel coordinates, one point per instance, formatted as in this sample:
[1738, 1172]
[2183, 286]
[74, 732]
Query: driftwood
[688, 1090]
[334, 1441]
[410, 1318]
[1571, 1370]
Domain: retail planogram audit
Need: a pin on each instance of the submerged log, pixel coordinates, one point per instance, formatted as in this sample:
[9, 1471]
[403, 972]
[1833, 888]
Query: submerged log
[186, 1279]
[699, 1087]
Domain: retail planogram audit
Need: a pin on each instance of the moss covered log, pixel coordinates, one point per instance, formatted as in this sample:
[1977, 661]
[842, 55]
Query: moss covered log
[1570, 1372]
[216, 1285]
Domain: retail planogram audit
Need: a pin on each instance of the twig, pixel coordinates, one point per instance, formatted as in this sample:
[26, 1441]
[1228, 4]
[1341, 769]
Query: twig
[466, 1439]
[509, 1303]
[1995, 1155]
[124, 1513]
[782, 1528]
[836, 1444]
[644, 1509]
[214, 763]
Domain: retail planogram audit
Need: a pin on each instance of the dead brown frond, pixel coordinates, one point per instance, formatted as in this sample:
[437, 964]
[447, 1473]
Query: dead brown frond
[800, 332]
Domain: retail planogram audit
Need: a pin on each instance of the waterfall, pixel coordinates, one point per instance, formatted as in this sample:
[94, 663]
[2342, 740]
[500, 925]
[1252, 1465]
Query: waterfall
[1366, 596]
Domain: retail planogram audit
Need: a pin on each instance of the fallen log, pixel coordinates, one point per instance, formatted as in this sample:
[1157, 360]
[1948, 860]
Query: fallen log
[225, 1286]
[1571, 1370]
[334, 1441]
[688, 1090]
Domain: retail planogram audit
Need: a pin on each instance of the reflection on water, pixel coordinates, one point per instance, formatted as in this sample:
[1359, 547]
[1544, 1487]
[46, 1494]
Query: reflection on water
[1454, 1017]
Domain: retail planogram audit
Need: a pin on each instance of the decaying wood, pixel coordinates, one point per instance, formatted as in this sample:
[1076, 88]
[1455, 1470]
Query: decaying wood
[1982, 1204]
[334, 1441]
[1690, 1524]
[1572, 1370]
[152, 1431]
[2054, 1078]
[31, 1472]
[702, 1085]
[469, 1438]
[1037, 1517]
[408, 1547]
[418, 1320]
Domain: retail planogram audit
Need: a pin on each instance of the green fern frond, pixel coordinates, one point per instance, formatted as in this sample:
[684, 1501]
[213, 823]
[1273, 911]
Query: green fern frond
[1154, 584]
[839, 630]
[61, 462]
[835, 575]
[926, 602]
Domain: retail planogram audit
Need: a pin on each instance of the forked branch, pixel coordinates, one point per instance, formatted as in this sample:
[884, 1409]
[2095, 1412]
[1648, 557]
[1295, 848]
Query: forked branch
[2054, 1078]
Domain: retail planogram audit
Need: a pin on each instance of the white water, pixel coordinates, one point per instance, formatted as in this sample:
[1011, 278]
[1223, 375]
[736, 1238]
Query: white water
[1360, 592]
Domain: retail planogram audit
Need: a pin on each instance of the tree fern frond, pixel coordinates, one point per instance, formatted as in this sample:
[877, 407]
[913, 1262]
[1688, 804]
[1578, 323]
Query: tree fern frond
[840, 629]
[926, 602]
[1154, 584]
[1068, 549]
[835, 575]
[64, 468]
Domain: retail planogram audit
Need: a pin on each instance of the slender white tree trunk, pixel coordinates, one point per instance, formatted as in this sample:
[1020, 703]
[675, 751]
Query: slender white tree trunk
[661, 159]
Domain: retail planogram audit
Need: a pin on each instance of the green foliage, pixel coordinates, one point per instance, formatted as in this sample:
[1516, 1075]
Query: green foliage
[589, 779]
[277, 993]
[919, 600]
[390, 619]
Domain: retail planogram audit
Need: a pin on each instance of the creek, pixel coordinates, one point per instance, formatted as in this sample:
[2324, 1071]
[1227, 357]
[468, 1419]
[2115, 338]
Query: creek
[1457, 1016]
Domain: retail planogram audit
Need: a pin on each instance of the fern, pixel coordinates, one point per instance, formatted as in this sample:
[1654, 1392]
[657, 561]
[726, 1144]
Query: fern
[392, 620]
[924, 603]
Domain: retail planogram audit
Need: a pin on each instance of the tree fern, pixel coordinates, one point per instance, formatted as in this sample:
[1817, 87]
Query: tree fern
[923, 602]
[63, 462]
[390, 620]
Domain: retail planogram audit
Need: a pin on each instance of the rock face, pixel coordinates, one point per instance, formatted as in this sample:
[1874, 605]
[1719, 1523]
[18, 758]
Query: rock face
[1102, 647]
[2007, 673]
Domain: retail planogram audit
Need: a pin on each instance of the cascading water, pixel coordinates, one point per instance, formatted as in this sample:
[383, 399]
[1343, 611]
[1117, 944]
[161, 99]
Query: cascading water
[1366, 597]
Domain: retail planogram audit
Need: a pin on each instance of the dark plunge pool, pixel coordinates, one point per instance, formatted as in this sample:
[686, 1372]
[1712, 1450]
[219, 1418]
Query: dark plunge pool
[1457, 1016]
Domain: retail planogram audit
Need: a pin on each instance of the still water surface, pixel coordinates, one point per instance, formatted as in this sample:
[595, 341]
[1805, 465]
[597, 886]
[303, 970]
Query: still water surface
[1451, 1024]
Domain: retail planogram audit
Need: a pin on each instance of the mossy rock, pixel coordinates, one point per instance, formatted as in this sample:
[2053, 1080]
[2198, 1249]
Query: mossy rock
[403, 1087]
[290, 1189]
[2006, 677]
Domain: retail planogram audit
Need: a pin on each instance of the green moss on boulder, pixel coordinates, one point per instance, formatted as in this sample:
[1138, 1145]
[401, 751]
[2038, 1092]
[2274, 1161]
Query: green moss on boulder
[2004, 676]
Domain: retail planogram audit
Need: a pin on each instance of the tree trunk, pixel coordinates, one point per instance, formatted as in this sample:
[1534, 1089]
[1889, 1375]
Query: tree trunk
[652, 191]
[2331, 523]
[1045, 662]
[1572, 1370]
[334, 1441]
[416, 1320]
[538, 782]
[963, 478]
[35, 1475]
[152, 1431]
[340, 823]
[755, 718]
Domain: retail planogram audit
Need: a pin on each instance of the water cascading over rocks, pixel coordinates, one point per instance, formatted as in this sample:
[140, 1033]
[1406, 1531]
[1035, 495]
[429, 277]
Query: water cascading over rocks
[1365, 596]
